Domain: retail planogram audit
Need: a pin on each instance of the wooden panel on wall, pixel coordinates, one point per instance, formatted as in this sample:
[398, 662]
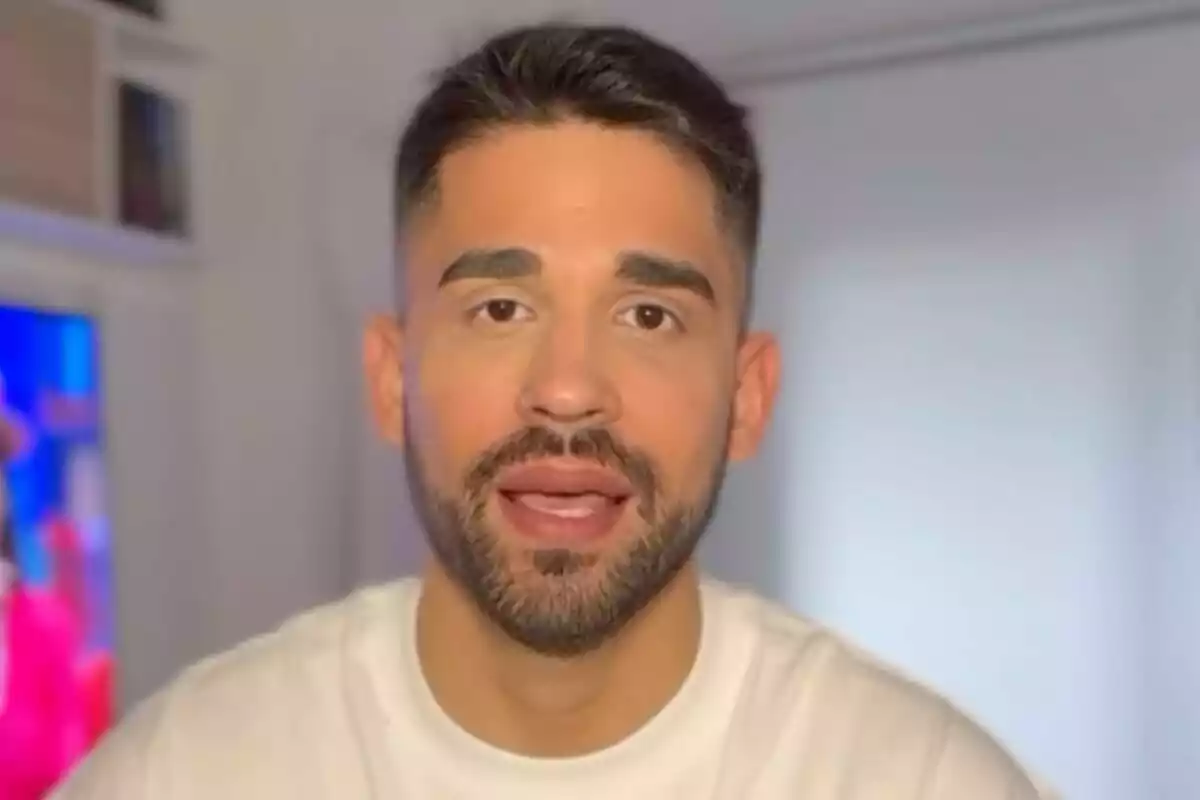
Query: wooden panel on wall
[49, 92]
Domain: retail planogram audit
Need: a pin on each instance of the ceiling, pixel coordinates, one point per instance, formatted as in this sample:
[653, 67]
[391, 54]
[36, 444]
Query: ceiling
[377, 46]
[722, 29]
[715, 29]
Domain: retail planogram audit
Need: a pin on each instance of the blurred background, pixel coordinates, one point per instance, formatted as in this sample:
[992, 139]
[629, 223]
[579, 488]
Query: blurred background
[981, 252]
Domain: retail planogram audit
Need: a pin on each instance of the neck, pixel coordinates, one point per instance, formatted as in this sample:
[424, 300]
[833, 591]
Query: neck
[540, 706]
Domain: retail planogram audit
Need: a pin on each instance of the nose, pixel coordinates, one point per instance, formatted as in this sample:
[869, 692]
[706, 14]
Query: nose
[568, 385]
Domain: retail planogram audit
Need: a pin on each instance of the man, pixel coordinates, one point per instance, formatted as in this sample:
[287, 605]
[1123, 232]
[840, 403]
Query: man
[571, 370]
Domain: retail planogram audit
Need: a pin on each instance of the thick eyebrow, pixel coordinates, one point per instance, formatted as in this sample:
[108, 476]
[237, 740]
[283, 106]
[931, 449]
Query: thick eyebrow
[643, 269]
[647, 269]
[504, 264]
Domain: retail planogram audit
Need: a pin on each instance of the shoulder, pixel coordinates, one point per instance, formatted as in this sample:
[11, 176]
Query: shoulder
[868, 717]
[257, 700]
[306, 655]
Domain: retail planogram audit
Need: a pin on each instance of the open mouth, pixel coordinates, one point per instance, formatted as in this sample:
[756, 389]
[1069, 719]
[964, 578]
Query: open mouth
[566, 506]
[563, 501]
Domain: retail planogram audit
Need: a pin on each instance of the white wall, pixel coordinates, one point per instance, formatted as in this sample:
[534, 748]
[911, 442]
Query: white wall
[1172, 510]
[271, 351]
[975, 255]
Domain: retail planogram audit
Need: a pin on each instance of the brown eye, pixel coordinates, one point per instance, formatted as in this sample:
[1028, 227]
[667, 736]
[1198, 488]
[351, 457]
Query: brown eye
[500, 311]
[650, 318]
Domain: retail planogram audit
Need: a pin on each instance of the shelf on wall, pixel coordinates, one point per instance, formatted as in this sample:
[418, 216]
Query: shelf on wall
[93, 239]
[123, 45]
[137, 37]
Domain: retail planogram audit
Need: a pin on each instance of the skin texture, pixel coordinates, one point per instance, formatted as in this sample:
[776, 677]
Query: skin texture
[572, 298]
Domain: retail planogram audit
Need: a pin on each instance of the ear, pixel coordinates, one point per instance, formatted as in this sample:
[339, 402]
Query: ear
[758, 372]
[383, 364]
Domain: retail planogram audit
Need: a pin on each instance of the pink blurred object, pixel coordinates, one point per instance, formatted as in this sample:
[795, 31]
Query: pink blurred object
[65, 544]
[42, 720]
[98, 690]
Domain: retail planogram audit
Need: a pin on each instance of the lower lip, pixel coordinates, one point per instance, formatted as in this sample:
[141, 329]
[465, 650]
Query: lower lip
[547, 527]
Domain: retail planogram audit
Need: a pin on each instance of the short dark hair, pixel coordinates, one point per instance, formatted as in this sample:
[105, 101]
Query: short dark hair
[611, 75]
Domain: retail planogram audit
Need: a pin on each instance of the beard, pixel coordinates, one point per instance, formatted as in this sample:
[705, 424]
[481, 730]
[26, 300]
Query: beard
[559, 602]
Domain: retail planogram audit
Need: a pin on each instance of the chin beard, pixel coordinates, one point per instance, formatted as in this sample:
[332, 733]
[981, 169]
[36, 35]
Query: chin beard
[556, 601]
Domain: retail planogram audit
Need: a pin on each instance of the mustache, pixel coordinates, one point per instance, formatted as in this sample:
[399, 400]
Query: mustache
[599, 445]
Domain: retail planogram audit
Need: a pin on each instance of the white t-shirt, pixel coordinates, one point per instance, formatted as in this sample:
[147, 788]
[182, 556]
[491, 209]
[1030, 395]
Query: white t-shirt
[334, 705]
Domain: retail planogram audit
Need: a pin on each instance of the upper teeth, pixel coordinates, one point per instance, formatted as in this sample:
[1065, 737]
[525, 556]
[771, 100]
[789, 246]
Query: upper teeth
[574, 507]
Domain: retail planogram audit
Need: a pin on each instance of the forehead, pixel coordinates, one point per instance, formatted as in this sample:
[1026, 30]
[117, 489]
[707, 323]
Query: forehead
[569, 187]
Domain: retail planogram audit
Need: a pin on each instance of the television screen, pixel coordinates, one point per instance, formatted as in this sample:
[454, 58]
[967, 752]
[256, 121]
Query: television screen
[56, 578]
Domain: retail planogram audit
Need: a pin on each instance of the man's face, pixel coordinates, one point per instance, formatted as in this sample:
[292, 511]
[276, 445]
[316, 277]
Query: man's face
[570, 379]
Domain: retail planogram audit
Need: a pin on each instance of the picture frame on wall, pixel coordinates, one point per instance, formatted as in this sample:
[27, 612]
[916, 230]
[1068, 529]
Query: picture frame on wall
[151, 161]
